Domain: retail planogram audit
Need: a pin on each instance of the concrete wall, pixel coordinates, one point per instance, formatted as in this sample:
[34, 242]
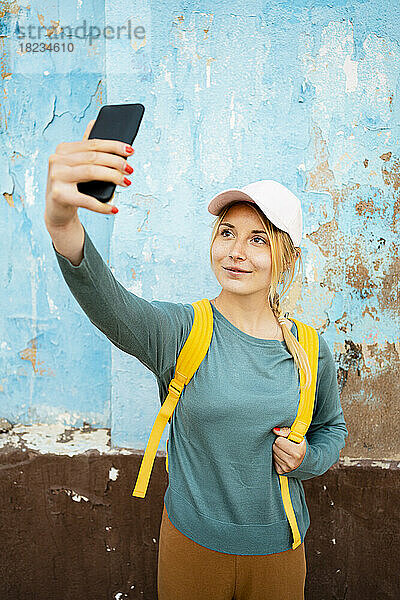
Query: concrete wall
[303, 92]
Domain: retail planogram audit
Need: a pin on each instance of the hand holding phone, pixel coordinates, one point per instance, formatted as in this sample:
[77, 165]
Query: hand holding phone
[102, 160]
[114, 122]
[75, 162]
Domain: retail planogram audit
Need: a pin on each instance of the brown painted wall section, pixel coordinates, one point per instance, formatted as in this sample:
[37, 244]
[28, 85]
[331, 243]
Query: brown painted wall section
[56, 547]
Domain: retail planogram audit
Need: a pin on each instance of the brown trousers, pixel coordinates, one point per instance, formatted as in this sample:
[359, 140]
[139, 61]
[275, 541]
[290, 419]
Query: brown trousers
[189, 571]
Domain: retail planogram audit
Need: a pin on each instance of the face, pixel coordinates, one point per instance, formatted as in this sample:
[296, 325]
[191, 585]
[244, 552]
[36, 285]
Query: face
[237, 245]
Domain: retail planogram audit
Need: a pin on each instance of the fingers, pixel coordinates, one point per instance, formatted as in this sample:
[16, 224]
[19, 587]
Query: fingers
[80, 173]
[282, 463]
[88, 129]
[86, 160]
[283, 446]
[90, 203]
[278, 468]
[288, 455]
[115, 163]
[90, 166]
[283, 431]
[112, 146]
[282, 453]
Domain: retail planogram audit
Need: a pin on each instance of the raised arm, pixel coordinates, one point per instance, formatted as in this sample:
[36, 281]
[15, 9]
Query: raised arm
[151, 331]
[68, 241]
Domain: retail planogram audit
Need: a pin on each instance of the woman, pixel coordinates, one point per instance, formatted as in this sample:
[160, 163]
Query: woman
[224, 533]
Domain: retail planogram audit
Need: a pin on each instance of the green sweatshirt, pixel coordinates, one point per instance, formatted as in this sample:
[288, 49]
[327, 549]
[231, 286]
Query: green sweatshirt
[223, 490]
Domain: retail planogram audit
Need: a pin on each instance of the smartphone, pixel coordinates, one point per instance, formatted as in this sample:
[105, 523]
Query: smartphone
[114, 122]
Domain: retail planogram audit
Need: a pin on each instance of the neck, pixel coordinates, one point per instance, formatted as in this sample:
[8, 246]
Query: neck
[251, 316]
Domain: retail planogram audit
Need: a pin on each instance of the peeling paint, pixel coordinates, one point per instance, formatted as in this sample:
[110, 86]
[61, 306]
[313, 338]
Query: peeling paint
[57, 439]
[74, 496]
[113, 475]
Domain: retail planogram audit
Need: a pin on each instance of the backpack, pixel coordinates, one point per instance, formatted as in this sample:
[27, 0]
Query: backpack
[189, 359]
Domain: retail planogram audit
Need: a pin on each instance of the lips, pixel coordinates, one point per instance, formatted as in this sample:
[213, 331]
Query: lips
[234, 270]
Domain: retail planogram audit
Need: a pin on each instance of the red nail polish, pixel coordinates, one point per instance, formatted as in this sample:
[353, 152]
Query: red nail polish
[114, 210]
[129, 149]
[277, 428]
[126, 181]
[128, 169]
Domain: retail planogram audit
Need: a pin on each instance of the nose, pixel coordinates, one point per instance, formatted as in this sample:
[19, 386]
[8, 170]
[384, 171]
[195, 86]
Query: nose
[236, 250]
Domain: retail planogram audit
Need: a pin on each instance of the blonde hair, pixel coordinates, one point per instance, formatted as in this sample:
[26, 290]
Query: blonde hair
[284, 256]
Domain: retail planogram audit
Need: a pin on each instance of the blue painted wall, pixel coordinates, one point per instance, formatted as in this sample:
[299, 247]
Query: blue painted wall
[302, 92]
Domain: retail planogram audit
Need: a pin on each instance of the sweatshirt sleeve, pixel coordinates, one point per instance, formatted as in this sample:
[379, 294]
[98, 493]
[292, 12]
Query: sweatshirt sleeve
[327, 431]
[153, 332]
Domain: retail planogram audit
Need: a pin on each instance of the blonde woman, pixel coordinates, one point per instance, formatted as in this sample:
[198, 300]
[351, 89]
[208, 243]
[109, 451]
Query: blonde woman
[224, 533]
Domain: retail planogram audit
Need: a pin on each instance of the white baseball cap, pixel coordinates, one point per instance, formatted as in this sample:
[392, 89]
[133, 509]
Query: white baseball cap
[276, 201]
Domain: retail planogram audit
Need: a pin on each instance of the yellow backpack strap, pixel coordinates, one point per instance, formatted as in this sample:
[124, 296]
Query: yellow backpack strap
[189, 359]
[308, 339]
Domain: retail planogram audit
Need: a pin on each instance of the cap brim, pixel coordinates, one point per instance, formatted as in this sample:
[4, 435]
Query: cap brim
[223, 198]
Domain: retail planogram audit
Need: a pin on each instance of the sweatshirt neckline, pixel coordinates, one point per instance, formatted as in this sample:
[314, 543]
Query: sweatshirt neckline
[245, 336]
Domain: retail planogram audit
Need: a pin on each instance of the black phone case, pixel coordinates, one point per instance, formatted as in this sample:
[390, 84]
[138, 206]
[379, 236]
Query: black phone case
[114, 122]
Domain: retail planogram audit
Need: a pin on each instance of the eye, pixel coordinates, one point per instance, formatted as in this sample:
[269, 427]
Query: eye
[259, 238]
[224, 231]
[256, 237]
